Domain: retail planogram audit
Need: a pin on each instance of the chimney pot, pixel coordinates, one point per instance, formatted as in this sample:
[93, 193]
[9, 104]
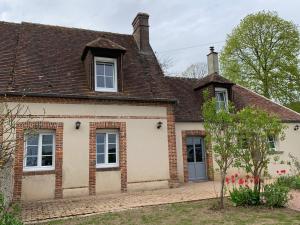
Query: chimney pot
[212, 61]
[141, 31]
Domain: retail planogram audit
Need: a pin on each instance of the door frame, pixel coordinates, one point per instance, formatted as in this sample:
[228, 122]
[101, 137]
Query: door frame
[208, 158]
[194, 164]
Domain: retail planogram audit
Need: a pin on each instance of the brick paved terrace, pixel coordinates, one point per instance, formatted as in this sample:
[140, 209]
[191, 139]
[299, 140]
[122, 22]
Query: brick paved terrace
[42, 211]
[39, 211]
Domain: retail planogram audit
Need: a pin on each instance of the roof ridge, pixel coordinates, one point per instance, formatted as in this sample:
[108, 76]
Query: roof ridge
[269, 99]
[72, 28]
[179, 77]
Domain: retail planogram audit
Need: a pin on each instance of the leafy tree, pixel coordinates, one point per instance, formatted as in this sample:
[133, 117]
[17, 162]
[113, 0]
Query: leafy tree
[262, 54]
[255, 127]
[196, 70]
[220, 127]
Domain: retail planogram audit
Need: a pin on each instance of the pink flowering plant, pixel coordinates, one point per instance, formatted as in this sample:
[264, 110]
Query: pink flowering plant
[241, 190]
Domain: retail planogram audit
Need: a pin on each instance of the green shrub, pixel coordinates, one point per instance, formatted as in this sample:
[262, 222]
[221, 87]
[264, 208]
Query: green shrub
[244, 196]
[275, 195]
[289, 181]
[296, 183]
[286, 181]
[8, 215]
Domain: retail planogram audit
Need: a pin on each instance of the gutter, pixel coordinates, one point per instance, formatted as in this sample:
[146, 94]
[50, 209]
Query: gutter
[116, 98]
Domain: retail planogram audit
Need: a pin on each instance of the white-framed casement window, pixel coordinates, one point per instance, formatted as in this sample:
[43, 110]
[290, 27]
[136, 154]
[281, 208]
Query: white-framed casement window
[105, 74]
[221, 98]
[107, 148]
[39, 152]
[272, 143]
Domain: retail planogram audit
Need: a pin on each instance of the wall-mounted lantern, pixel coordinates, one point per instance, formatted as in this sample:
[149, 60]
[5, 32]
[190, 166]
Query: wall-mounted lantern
[159, 125]
[77, 125]
[296, 127]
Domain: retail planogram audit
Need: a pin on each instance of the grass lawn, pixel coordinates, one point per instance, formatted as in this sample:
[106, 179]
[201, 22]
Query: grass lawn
[199, 212]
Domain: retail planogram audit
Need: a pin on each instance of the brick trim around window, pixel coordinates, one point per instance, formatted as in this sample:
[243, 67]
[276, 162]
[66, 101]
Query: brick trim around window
[19, 157]
[209, 159]
[121, 126]
[172, 146]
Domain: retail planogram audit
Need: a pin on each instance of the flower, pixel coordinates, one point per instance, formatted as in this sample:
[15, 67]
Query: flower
[236, 175]
[227, 180]
[283, 171]
[241, 181]
[277, 171]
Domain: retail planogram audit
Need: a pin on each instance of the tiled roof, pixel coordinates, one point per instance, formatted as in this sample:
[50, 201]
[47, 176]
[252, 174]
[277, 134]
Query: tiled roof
[43, 59]
[190, 101]
[212, 78]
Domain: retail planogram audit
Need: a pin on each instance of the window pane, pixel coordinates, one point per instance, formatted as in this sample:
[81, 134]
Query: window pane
[109, 82]
[47, 139]
[100, 138]
[197, 140]
[100, 158]
[47, 150]
[112, 138]
[190, 153]
[109, 69]
[199, 156]
[100, 148]
[31, 161]
[100, 69]
[111, 148]
[32, 150]
[189, 141]
[47, 161]
[33, 140]
[272, 142]
[112, 158]
[100, 81]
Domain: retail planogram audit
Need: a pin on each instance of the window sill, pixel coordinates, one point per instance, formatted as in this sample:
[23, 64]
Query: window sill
[108, 169]
[38, 172]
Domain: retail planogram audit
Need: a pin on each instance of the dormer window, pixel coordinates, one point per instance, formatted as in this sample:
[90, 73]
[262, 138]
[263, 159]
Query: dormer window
[105, 74]
[221, 98]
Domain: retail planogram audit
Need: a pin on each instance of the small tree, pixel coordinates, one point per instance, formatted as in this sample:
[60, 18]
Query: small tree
[197, 70]
[220, 127]
[255, 128]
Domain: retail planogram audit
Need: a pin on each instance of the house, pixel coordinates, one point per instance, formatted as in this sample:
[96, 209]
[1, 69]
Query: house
[107, 119]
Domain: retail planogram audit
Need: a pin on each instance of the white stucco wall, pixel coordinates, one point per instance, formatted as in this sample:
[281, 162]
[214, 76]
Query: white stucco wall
[147, 148]
[291, 144]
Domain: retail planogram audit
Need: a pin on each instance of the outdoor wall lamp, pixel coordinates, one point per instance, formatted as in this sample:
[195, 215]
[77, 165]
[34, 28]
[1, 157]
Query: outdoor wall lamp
[77, 125]
[159, 124]
[296, 127]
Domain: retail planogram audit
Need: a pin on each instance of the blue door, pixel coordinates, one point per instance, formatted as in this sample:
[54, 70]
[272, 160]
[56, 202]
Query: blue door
[196, 158]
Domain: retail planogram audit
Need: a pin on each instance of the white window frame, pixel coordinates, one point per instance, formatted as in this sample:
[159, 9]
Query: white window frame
[106, 164]
[275, 143]
[222, 90]
[115, 80]
[39, 166]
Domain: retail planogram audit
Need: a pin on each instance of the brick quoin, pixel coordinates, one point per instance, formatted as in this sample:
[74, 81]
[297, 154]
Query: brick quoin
[121, 126]
[18, 164]
[209, 158]
[172, 146]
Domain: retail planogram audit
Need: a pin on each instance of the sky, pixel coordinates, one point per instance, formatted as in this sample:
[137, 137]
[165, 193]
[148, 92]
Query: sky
[180, 31]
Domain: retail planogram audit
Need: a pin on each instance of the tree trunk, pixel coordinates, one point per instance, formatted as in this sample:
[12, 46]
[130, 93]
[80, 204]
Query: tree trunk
[222, 190]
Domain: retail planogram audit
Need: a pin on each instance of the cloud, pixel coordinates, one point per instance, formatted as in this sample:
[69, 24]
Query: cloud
[173, 24]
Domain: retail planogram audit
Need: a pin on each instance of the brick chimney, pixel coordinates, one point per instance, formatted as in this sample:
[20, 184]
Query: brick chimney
[212, 61]
[141, 31]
